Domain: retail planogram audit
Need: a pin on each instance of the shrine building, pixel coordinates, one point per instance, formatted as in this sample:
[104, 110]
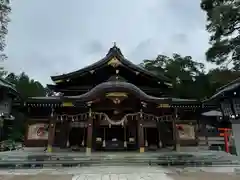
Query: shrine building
[111, 105]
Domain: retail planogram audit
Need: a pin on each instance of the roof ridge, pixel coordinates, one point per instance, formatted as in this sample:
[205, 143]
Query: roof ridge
[228, 84]
[113, 52]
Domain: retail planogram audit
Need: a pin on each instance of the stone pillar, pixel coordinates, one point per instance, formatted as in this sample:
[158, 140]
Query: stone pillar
[51, 133]
[141, 135]
[89, 133]
[175, 132]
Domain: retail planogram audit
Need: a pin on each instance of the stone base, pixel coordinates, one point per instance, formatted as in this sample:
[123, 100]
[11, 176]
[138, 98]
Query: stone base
[88, 150]
[49, 148]
[142, 149]
[177, 147]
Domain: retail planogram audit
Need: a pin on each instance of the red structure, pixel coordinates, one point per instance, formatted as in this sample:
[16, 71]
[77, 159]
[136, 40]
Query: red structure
[225, 133]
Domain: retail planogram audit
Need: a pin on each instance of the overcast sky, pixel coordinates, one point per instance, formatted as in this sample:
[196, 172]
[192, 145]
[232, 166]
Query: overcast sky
[50, 37]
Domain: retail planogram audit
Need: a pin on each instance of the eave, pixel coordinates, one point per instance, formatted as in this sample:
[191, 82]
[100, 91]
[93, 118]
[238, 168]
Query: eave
[10, 87]
[224, 91]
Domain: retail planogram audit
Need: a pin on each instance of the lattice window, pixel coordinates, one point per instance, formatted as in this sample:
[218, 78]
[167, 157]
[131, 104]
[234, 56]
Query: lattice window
[5, 105]
[236, 105]
[226, 108]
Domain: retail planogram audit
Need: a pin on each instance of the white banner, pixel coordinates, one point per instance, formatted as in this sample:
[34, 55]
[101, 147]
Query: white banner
[186, 132]
[38, 131]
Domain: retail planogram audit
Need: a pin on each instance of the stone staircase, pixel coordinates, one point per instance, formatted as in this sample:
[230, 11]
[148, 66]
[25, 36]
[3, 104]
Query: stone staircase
[194, 159]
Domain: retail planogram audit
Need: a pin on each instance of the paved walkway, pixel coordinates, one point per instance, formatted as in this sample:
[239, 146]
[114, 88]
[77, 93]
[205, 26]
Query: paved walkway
[121, 173]
[128, 172]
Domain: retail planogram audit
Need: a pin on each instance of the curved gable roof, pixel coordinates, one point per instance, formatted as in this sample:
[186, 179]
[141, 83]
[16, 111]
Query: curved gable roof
[113, 52]
[113, 86]
[9, 86]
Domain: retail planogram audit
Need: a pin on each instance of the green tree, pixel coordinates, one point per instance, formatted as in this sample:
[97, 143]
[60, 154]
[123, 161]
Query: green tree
[25, 86]
[221, 76]
[4, 20]
[223, 17]
[182, 70]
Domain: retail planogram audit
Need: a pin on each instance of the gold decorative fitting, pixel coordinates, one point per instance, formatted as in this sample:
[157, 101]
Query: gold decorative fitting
[117, 94]
[67, 104]
[89, 103]
[168, 84]
[114, 62]
[58, 81]
[144, 104]
[117, 97]
[163, 106]
[90, 112]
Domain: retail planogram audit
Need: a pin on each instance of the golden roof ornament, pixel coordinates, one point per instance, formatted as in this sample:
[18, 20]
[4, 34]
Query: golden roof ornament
[117, 97]
[114, 62]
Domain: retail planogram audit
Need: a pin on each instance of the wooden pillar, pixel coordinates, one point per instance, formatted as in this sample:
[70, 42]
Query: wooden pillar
[175, 132]
[89, 132]
[196, 131]
[206, 134]
[145, 133]
[125, 137]
[141, 135]
[1, 129]
[51, 133]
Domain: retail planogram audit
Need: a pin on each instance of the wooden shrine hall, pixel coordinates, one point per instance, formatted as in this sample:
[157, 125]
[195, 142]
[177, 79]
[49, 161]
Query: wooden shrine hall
[108, 106]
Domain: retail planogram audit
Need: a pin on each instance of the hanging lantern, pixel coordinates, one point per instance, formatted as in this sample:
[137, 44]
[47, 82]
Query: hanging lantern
[104, 143]
[226, 108]
[160, 143]
[125, 144]
[146, 143]
[236, 106]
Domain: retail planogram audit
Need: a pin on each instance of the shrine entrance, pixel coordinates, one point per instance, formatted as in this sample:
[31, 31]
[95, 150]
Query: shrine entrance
[77, 137]
[115, 138]
[115, 135]
[151, 136]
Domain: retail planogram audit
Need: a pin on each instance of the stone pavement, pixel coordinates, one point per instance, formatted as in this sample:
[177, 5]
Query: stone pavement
[121, 173]
[138, 171]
